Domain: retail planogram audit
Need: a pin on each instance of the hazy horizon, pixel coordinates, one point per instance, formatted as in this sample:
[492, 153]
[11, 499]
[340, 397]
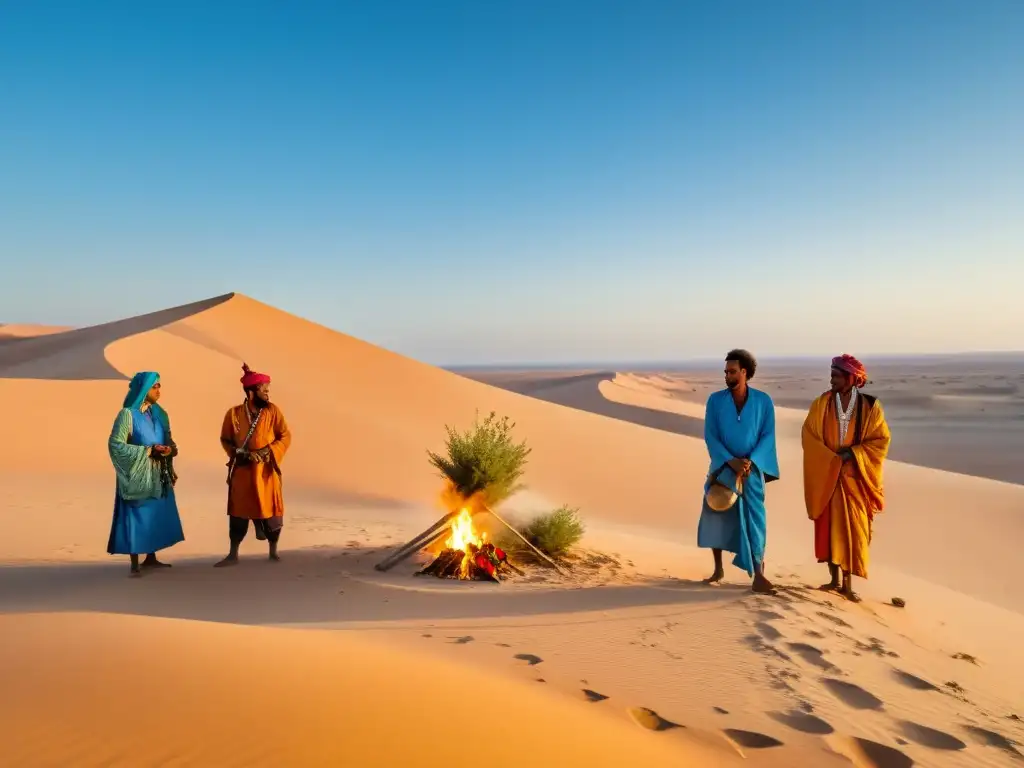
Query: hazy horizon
[636, 365]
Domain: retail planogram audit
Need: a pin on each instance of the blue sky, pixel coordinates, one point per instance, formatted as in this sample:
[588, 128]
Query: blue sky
[485, 182]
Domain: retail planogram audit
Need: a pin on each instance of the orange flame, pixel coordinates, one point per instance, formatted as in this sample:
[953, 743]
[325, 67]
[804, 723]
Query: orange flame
[464, 535]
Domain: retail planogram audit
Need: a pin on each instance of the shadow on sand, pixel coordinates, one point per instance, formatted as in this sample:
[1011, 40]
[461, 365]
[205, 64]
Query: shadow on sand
[318, 585]
[580, 391]
[36, 357]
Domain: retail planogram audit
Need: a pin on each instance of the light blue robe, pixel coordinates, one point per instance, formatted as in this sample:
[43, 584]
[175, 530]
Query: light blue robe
[748, 434]
[145, 511]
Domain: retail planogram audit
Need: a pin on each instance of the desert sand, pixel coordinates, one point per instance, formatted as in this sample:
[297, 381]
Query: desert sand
[321, 660]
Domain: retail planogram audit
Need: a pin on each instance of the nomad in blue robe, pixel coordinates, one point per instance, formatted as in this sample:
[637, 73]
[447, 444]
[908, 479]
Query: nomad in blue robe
[745, 434]
[145, 513]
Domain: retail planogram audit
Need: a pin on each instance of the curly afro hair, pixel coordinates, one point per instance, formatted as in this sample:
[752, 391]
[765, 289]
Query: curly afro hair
[746, 360]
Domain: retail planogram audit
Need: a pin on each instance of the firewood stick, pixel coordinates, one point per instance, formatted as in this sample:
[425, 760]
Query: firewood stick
[528, 543]
[440, 524]
[433, 533]
[509, 565]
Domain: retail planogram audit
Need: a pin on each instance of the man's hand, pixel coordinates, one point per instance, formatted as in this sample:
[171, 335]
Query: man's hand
[161, 450]
[740, 466]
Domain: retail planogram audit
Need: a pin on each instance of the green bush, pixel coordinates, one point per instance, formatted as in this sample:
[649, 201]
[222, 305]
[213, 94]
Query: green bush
[555, 533]
[483, 461]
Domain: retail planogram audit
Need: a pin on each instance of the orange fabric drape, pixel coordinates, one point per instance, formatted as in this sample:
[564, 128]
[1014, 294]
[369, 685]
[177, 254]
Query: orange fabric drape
[842, 499]
[256, 491]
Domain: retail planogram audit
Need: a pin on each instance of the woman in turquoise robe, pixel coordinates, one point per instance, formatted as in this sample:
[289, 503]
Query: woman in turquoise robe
[142, 451]
[744, 433]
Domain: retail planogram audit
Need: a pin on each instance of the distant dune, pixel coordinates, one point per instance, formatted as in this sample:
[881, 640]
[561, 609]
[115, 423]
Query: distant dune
[632, 663]
[23, 330]
[959, 413]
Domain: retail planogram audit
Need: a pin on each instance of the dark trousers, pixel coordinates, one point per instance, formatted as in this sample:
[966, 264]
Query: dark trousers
[268, 528]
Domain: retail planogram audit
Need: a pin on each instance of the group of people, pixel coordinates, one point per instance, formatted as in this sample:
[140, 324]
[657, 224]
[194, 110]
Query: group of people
[845, 440]
[254, 436]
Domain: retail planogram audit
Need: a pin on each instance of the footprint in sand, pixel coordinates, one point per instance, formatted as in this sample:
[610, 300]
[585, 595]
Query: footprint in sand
[813, 656]
[966, 657]
[767, 631]
[852, 695]
[426, 635]
[463, 640]
[815, 634]
[757, 643]
[751, 739]
[929, 737]
[865, 753]
[651, 720]
[529, 658]
[956, 690]
[875, 646]
[721, 711]
[803, 722]
[593, 696]
[913, 681]
[992, 739]
[833, 619]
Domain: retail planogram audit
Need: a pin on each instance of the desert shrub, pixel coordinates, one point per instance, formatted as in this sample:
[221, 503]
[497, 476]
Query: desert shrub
[484, 461]
[555, 533]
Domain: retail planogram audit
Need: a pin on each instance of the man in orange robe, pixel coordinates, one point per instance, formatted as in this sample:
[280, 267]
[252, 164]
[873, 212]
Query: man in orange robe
[255, 437]
[845, 442]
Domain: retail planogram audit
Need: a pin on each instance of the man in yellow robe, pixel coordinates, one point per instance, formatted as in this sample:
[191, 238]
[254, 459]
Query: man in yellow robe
[255, 437]
[845, 442]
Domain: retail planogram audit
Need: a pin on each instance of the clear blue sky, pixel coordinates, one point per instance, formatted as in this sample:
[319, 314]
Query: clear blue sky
[527, 181]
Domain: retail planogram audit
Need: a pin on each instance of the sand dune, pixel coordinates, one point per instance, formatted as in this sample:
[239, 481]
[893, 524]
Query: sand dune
[635, 661]
[26, 330]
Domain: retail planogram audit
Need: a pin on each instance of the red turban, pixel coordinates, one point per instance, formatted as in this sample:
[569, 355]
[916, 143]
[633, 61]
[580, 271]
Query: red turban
[852, 366]
[251, 379]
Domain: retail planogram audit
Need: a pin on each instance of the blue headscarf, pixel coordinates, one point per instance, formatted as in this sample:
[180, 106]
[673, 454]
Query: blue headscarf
[138, 388]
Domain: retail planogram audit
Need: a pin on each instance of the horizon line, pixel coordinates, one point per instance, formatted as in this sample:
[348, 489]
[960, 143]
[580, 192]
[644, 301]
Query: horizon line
[617, 365]
[593, 365]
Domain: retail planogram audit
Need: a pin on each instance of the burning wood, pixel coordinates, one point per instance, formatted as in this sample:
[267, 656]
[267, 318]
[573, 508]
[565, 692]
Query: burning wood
[467, 555]
[483, 564]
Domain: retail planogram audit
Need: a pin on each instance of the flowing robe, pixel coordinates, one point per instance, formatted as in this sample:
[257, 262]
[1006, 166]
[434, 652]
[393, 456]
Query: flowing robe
[254, 488]
[739, 434]
[843, 498]
[145, 511]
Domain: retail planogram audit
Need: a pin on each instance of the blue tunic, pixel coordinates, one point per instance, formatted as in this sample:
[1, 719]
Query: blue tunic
[745, 434]
[146, 525]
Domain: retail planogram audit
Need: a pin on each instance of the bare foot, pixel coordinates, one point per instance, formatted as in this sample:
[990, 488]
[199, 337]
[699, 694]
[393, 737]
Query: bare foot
[134, 573]
[714, 578]
[762, 586]
[154, 563]
[229, 560]
[850, 595]
[274, 557]
[832, 586]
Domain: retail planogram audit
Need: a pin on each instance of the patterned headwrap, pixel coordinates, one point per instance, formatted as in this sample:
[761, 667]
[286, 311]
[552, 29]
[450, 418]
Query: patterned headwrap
[138, 388]
[252, 379]
[852, 366]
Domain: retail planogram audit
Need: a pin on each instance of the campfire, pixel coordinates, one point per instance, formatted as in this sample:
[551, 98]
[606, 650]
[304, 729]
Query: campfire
[481, 468]
[467, 555]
